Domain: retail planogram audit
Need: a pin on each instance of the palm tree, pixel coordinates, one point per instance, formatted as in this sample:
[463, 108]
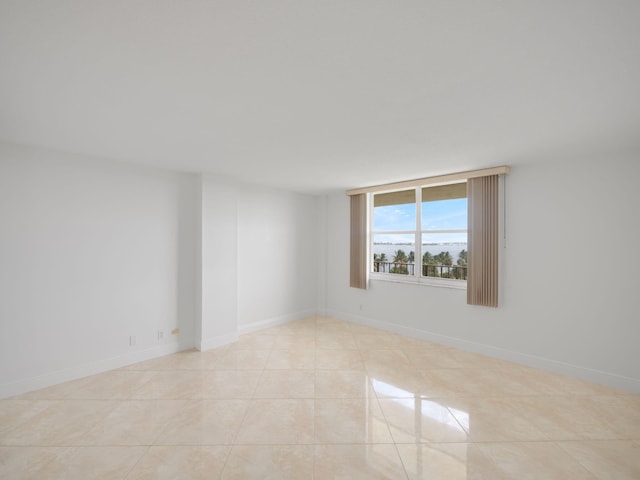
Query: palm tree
[399, 256]
[461, 273]
[412, 257]
[444, 258]
[377, 260]
[427, 259]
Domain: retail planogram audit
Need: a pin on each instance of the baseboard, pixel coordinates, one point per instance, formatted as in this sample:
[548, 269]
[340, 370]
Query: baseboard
[87, 369]
[272, 322]
[549, 365]
[217, 341]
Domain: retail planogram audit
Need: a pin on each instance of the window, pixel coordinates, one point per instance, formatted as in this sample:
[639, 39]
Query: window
[421, 234]
[413, 217]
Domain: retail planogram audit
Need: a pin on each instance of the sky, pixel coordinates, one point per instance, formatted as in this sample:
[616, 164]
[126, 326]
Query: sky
[438, 215]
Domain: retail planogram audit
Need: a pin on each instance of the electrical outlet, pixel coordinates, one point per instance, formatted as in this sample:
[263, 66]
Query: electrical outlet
[160, 334]
[132, 340]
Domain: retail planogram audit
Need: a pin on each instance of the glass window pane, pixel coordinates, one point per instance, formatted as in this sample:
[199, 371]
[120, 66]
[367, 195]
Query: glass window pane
[394, 211]
[444, 255]
[444, 214]
[393, 254]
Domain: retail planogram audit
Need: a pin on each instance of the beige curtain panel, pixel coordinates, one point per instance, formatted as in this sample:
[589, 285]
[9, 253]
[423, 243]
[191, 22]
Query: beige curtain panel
[358, 263]
[482, 281]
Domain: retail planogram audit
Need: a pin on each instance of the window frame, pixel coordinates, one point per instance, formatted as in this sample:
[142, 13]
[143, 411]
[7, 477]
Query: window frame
[417, 277]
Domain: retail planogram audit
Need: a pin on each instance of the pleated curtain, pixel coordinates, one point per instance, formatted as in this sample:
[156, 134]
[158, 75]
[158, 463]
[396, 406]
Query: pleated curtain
[482, 243]
[358, 263]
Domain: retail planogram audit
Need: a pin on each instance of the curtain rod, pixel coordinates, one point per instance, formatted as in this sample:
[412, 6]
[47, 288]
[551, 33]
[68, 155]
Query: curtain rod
[418, 182]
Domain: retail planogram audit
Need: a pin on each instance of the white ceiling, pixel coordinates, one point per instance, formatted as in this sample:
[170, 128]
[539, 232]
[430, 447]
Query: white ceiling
[320, 95]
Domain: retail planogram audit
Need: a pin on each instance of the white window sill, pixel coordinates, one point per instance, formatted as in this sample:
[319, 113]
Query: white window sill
[427, 281]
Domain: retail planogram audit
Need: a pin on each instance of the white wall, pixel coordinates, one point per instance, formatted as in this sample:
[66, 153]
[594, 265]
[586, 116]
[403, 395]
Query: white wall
[218, 263]
[322, 203]
[277, 256]
[570, 298]
[94, 252]
[91, 253]
[258, 258]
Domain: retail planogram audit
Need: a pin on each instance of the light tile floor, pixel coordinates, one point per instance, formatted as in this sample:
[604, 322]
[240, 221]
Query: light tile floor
[322, 398]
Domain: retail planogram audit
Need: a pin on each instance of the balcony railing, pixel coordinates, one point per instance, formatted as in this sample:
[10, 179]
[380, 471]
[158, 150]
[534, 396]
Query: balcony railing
[432, 270]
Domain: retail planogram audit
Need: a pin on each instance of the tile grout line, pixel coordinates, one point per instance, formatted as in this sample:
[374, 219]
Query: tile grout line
[251, 400]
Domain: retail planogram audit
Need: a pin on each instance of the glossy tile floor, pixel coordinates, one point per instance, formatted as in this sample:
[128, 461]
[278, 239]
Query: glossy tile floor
[321, 398]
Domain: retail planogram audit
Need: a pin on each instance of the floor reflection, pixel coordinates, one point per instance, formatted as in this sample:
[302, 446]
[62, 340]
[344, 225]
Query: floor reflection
[416, 423]
[455, 419]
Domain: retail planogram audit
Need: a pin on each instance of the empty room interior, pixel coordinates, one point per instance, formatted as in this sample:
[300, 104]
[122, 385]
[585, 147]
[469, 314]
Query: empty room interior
[332, 239]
